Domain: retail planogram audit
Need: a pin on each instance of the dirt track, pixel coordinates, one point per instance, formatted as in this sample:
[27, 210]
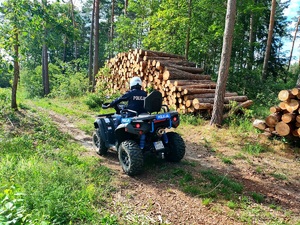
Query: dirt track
[144, 198]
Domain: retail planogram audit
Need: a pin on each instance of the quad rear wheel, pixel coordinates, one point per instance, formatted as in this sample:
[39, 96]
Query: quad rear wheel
[131, 157]
[99, 143]
[176, 147]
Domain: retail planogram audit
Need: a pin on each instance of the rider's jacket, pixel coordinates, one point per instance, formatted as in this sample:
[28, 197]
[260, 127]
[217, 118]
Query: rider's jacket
[135, 98]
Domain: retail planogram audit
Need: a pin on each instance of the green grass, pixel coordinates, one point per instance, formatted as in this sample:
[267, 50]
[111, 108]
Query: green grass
[257, 197]
[226, 160]
[253, 148]
[43, 178]
[279, 176]
[191, 119]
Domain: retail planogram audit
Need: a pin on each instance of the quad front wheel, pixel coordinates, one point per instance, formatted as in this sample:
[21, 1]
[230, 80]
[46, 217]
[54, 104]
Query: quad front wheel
[99, 143]
[176, 147]
[130, 157]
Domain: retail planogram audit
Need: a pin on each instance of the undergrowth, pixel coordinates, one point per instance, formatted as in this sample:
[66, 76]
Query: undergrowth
[43, 178]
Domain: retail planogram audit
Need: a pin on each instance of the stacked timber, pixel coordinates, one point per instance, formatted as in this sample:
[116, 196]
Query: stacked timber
[184, 87]
[284, 119]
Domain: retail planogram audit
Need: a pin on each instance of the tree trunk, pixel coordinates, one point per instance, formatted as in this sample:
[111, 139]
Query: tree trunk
[125, 7]
[187, 42]
[251, 43]
[293, 43]
[96, 40]
[217, 114]
[74, 26]
[91, 49]
[45, 73]
[65, 49]
[269, 41]
[111, 34]
[14, 104]
[45, 70]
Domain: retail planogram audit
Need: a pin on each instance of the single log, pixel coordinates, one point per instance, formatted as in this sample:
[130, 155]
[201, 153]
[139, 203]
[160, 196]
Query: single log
[190, 69]
[295, 91]
[197, 91]
[236, 99]
[161, 54]
[292, 105]
[259, 124]
[195, 86]
[273, 119]
[192, 82]
[283, 129]
[208, 95]
[275, 109]
[193, 70]
[188, 103]
[295, 133]
[285, 95]
[246, 104]
[233, 110]
[282, 105]
[199, 106]
[288, 117]
[173, 62]
[175, 74]
[226, 99]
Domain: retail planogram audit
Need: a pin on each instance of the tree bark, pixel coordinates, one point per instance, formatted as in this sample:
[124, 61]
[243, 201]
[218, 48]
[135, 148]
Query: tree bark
[74, 26]
[125, 7]
[14, 104]
[111, 34]
[45, 70]
[293, 43]
[269, 41]
[96, 41]
[187, 41]
[91, 49]
[251, 42]
[217, 114]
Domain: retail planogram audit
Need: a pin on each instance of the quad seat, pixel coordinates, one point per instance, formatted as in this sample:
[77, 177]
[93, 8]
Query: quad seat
[153, 102]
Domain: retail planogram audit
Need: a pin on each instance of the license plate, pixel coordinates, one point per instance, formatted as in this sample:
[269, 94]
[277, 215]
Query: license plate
[158, 145]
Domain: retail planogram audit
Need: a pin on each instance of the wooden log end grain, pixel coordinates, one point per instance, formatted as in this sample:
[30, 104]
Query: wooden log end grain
[259, 124]
[285, 95]
[288, 117]
[282, 105]
[275, 109]
[295, 91]
[273, 119]
[283, 129]
[292, 105]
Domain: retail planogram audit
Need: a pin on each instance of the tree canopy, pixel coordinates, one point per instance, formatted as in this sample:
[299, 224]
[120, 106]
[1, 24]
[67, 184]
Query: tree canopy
[190, 28]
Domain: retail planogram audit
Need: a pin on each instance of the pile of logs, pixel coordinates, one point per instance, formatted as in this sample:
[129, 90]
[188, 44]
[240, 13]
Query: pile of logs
[284, 119]
[184, 87]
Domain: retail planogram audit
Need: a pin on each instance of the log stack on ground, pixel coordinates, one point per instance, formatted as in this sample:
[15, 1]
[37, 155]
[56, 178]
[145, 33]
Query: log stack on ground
[183, 85]
[284, 119]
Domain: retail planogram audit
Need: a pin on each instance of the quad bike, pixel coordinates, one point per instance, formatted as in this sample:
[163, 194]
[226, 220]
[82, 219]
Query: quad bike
[133, 136]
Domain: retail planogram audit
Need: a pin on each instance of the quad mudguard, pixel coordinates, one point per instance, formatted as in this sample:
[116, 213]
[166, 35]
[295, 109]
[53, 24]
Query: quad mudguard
[106, 129]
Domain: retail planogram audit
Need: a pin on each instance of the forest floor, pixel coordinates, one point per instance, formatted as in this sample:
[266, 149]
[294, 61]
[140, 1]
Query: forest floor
[158, 196]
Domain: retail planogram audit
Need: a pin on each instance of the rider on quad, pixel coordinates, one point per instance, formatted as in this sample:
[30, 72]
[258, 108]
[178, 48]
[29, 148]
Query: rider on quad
[135, 97]
[139, 128]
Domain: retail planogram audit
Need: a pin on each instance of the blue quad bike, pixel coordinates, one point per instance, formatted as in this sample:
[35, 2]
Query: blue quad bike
[136, 135]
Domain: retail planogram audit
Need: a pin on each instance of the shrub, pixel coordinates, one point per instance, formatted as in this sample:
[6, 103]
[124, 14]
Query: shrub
[5, 99]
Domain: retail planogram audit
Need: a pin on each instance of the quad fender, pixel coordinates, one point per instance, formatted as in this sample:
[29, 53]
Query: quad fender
[121, 135]
[106, 130]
